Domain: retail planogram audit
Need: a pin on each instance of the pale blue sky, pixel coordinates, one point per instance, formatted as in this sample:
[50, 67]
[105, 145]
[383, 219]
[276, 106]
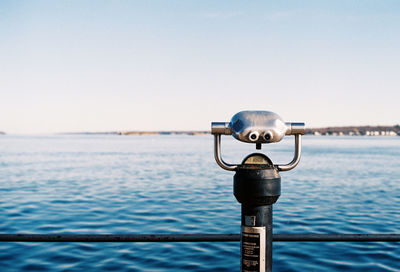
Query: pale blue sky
[162, 65]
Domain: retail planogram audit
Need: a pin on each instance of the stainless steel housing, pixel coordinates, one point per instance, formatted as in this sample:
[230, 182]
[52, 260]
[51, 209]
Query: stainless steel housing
[246, 124]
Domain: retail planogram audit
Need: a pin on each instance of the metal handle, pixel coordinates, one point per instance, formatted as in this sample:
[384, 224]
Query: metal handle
[217, 155]
[296, 158]
[281, 167]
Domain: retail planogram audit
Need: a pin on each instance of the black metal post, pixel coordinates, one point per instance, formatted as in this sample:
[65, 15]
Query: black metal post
[252, 232]
[256, 187]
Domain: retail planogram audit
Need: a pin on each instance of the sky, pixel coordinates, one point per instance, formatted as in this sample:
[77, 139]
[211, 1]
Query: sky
[74, 66]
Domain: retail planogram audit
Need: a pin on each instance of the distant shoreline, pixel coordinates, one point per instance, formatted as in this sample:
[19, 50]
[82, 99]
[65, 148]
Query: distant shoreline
[326, 131]
[356, 131]
[163, 132]
[140, 133]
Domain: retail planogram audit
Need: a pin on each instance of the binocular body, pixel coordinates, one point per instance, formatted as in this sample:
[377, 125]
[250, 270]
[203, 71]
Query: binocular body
[257, 127]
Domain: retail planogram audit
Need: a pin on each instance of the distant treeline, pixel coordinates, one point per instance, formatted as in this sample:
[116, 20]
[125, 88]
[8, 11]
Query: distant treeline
[90, 133]
[357, 130]
[351, 130]
[163, 132]
[139, 133]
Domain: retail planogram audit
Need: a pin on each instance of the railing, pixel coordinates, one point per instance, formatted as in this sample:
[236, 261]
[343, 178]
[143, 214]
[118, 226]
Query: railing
[120, 238]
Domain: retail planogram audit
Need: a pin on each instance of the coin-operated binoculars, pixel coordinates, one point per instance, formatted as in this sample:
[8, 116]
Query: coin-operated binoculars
[257, 183]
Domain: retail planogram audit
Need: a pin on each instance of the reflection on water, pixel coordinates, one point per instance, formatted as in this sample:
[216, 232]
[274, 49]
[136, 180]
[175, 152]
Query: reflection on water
[170, 184]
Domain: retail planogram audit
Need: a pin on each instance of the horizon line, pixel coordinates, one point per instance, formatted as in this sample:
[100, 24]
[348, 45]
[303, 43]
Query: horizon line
[177, 131]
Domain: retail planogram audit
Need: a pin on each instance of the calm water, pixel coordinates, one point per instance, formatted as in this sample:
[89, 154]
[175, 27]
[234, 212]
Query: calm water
[171, 184]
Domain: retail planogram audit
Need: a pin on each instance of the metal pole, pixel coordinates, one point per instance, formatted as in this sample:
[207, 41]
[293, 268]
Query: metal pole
[347, 237]
[256, 188]
[121, 238]
[256, 238]
[269, 238]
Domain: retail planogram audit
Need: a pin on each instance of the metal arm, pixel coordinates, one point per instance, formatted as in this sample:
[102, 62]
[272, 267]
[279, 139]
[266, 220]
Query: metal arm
[217, 155]
[296, 158]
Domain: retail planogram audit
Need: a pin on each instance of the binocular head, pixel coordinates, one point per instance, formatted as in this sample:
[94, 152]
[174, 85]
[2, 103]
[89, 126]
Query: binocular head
[257, 127]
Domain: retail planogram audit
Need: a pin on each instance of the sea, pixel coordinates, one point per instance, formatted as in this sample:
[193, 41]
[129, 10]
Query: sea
[162, 184]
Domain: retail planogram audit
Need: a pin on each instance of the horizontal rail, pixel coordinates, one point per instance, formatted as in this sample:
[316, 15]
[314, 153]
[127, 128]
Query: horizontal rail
[338, 237]
[118, 238]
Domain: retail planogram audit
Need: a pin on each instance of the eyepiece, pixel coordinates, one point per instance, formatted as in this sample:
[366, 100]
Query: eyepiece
[268, 136]
[253, 136]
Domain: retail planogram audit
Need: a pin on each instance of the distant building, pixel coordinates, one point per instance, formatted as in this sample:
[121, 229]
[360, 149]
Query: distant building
[354, 131]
